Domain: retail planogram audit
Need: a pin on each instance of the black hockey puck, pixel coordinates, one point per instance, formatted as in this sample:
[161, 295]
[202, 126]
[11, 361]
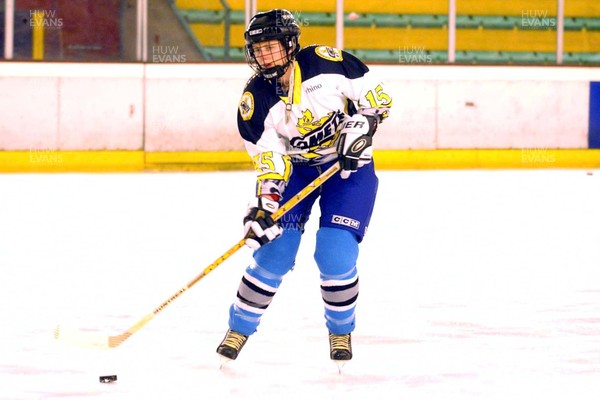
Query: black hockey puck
[108, 378]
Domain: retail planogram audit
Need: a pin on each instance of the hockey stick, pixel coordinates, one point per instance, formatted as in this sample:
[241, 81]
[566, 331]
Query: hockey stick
[91, 339]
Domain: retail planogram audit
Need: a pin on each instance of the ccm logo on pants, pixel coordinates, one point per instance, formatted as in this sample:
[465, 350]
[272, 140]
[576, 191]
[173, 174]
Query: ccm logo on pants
[338, 219]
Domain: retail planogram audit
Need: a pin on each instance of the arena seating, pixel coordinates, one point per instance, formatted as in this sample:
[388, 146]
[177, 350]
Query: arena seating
[488, 32]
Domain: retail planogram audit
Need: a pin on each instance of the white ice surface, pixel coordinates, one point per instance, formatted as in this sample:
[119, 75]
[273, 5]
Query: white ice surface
[474, 285]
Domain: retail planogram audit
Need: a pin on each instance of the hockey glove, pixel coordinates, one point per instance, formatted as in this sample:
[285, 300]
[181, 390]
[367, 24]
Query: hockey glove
[355, 144]
[259, 227]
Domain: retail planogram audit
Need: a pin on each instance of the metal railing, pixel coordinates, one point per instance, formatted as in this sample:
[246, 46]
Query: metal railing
[227, 28]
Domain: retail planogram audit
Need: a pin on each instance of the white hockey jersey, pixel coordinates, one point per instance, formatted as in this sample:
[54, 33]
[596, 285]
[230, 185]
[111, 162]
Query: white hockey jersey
[301, 126]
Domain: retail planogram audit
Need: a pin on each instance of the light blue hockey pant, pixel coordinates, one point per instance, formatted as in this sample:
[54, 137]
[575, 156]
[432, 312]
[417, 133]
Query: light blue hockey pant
[336, 253]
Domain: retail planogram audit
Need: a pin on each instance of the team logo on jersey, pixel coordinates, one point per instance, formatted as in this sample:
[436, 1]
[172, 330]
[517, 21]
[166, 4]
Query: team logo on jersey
[329, 53]
[246, 106]
[317, 133]
[307, 124]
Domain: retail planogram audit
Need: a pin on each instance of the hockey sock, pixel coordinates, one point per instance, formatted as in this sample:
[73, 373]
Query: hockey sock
[336, 254]
[261, 281]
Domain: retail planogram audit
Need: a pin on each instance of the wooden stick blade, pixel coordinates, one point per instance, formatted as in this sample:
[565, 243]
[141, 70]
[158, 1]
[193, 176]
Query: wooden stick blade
[97, 340]
[81, 338]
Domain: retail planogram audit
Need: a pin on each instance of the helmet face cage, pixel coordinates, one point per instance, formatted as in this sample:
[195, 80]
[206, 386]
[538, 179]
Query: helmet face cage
[272, 25]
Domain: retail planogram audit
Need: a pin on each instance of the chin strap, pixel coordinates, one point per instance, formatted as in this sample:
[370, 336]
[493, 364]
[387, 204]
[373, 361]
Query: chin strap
[290, 97]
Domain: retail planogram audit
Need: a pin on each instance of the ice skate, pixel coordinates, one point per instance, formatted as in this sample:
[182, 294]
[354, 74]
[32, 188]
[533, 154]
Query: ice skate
[340, 347]
[231, 346]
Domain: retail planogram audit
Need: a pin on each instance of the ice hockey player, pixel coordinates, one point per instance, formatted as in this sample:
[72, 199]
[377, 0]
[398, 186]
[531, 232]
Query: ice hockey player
[303, 110]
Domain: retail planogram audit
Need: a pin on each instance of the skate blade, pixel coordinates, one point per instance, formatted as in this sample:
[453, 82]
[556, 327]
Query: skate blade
[340, 365]
[224, 361]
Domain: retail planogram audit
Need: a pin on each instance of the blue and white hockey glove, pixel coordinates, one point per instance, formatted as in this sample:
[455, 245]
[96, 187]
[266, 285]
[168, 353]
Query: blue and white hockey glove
[259, 226]
[355, 145]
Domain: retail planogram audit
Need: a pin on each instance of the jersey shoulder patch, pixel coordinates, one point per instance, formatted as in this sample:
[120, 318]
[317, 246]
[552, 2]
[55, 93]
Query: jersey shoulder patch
[329, 53]
[246, 106]
[316, 59]
[258, 98]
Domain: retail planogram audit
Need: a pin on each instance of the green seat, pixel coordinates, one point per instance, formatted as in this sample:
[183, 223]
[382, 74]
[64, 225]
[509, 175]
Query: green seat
[238, 17]
[582, 58]
[464, 57]
[439, 56]
[489, 57]
[481, 57]
[428, 21]
[361, 21]
[592, 24]
[395, 56]
[202, 16]
[315, 18]
[578, 24]
[415, 56]
[384, 56]
[574, 24]
[504, 57]
[211, 16]
[390, 20]
[468, 21]
[526, 57]
[571, 58]
[590, 58]
[511, 22]
[500, 22]
[218, 53]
